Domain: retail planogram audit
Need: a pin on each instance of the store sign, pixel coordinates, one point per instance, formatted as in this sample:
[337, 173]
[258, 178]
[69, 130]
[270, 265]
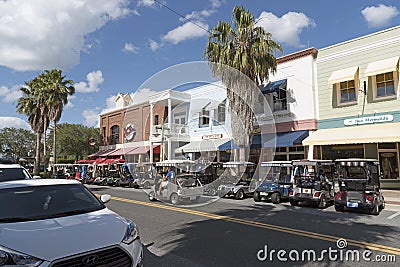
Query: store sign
[211, 136]
[368, 120]
[129, 132]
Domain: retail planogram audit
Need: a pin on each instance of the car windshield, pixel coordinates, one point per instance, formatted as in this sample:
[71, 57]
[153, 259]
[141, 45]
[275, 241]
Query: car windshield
[11, 174]
[45, 202]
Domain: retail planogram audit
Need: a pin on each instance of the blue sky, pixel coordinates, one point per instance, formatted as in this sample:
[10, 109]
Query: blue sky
[110, 47]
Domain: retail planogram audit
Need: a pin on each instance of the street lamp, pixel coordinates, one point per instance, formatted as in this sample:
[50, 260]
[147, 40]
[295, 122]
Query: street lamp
[156, 134]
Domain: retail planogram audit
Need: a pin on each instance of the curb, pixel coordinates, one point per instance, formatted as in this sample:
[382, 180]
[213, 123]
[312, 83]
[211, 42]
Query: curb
[392, 202]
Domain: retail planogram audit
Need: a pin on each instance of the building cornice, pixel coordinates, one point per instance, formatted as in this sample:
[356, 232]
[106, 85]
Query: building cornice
[309, 51]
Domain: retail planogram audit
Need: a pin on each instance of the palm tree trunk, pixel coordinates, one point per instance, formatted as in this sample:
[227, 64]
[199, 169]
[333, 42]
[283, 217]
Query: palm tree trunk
[36, 169]
[54, 145]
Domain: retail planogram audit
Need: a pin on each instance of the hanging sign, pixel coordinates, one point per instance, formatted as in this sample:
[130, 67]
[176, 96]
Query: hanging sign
[368, 120]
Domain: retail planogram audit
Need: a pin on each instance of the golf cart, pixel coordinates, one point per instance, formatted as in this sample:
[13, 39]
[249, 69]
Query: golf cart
[181, 187]
[235, 181]
[313, 182]
[145, 174]
[277, 182]
[359, 186]
[128, 175]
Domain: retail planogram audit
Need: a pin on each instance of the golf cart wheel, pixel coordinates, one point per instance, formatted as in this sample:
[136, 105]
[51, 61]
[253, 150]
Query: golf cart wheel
[152, 196]
[256, 197]
[322, 202]
[239, 194]
[339, 208]
[174, 199]
[294, 203]
[146, 185]
[375, 210]
[276, 198]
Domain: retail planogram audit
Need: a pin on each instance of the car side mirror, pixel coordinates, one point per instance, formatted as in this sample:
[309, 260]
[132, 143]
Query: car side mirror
[105, 198]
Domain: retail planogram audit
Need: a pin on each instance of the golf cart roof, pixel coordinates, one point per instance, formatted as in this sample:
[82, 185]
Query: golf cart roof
[276, 163]
[312, 162]
[237, 163]
[356, 162]
[174, 162]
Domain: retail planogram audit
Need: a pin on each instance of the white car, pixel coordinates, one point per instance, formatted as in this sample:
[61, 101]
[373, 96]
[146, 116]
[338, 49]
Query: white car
[57, 222]
[10, 172]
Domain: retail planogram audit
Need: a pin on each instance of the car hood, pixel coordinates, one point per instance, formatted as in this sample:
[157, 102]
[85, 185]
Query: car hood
[60, 237]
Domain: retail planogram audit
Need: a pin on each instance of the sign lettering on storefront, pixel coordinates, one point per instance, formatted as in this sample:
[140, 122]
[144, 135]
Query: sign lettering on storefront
[368, 120]
[211, 136]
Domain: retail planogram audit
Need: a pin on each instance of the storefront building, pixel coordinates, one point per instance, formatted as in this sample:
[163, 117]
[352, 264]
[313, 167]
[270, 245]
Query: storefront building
[358, 102]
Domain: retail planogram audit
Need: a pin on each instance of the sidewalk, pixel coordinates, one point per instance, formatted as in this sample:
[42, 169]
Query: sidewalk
[391, 196]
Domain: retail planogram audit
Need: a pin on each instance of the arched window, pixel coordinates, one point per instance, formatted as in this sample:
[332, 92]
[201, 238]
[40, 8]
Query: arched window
[114, 136]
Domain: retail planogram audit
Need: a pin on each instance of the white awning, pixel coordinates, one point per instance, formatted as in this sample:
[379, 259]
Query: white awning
[343, 75]
[375, 133]
[382, 66]
[202, 145]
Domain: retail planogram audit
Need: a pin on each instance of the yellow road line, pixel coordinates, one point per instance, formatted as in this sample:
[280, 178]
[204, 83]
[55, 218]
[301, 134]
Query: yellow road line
[293, 231]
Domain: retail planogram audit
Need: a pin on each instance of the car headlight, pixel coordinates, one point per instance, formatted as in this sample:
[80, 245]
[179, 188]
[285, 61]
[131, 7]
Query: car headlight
[10, 257]
[131, 233]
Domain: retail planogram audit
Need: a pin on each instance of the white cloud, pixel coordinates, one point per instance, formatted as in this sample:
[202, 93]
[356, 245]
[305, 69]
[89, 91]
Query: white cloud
[146, 3]
[14, 122]
[186, 31]
[154, 45]
[42, 34]
[129, 47]
[286, 29]
[142, 95]
[70, 103]
[378, 16]
[91, 117]
[10, 95]
[93, 78]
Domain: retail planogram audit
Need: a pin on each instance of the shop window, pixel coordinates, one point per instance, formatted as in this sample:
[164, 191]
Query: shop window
[347, 92]
[114, 137]
[387, 145]
[389, 167]
[296, 149]
[342, 151]
[280, 99]
[280, 158]
[156, 120]
[384, 85]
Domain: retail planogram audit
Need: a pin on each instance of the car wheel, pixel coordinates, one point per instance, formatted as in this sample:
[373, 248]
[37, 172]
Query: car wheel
[339, 208]
[174, 199]
[239, 194]
[276, 198]
[294, 203]
[322, 202]
[256, 197]
[152, 196]
[375, 210]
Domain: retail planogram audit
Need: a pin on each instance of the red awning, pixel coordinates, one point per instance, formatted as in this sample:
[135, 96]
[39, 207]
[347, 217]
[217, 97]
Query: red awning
[98, 161]
[113, 161]
[116, 152]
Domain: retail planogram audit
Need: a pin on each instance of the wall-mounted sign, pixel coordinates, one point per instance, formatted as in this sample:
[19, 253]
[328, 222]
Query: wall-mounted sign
[211, 136]
[129, 132]
[91, 141]
[368, 120]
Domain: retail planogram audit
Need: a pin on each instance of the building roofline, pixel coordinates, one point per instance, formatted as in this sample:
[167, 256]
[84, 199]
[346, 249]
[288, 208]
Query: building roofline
[303, 53]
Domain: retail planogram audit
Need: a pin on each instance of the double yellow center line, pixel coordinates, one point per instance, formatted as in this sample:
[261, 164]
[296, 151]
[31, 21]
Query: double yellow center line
[292, 231]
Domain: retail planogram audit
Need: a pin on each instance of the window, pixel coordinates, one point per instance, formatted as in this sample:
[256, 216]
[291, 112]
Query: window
[204, 119]
[156, 122]
[385, 84]
[347, 92]
[114, 137]
[280, 99]
[221, 112]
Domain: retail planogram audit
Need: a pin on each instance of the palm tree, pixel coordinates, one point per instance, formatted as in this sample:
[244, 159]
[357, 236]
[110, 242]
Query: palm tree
[56, 91]
[29, 105]
[233, 50]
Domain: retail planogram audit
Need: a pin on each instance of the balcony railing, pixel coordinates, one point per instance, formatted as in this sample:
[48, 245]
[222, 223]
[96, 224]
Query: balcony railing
[175, 129]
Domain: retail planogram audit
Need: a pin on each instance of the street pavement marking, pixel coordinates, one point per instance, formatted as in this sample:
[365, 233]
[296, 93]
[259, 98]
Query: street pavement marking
[293, 231]
[394, 215]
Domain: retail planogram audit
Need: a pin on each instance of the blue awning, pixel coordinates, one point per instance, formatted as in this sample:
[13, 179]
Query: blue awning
[257, 140]
[287, 139]
[230, 145]
[274, 86]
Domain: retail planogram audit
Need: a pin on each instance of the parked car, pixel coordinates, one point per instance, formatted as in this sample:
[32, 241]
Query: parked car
[359, 185]
[313, 182]
[10, 172]
[54, 222]
[277, 182]
[180, 188]
[235, 181]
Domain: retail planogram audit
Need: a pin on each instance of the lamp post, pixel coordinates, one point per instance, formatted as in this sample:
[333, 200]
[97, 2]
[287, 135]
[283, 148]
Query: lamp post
[162, 128]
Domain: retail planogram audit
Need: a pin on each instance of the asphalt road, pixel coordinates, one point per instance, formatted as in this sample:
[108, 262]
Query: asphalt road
[230, 232]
